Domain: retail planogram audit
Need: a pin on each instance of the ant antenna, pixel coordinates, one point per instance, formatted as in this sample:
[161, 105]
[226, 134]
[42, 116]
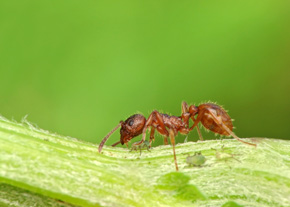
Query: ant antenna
[107, 136]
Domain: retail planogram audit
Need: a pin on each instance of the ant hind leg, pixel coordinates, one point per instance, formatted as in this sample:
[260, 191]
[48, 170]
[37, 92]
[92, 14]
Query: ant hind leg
[227, 129]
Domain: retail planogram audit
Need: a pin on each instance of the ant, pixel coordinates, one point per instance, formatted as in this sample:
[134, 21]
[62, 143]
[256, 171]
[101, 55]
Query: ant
[212, 117]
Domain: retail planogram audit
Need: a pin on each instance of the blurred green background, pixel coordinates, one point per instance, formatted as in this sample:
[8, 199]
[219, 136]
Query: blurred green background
[79, 67]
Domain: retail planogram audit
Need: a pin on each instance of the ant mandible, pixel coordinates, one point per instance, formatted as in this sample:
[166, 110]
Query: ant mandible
[212, 117]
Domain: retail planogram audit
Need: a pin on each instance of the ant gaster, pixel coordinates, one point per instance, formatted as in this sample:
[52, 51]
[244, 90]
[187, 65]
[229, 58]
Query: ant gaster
[212, 117]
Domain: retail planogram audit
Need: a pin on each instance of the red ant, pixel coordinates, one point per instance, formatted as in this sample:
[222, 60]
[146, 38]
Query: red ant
[212, 117]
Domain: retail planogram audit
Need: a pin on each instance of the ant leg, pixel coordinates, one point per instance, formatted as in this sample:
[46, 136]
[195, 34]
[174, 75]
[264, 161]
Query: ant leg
[199, 133]
[148, 148]
[227, 129]
[161, 127]
[185, 115]
[196, 121]
[184, 107]
[172, 139]
[133, 148]
[164, 132]
[152, 138]
[184, 130]
[113, 145]
[198, 130]
[165, 140]
[156, 117]
[148, 123]
[165, 136]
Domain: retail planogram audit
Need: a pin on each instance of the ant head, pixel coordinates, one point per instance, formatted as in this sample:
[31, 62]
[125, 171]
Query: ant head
[132, 127]
[193, 110]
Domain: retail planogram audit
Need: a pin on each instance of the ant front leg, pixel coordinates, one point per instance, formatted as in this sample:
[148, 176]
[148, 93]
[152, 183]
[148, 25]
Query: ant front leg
[156, 119]
[113, 145]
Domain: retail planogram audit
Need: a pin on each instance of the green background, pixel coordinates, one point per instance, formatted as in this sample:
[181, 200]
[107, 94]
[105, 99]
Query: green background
[79, 67]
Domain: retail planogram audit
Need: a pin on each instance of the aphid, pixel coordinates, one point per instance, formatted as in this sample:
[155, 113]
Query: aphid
[212, 117]
[145, 144]
[196, 160]
[222, 155]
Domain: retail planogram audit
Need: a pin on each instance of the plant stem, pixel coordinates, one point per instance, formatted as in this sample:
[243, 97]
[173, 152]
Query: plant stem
[62, 168]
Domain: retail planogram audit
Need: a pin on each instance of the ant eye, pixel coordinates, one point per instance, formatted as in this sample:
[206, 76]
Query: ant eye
[131, 122]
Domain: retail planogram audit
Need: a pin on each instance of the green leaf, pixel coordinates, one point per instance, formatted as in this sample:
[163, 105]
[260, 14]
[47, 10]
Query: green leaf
[172, 181]
[231, 204]
[13, 196]
[190, 193]
[56, 170]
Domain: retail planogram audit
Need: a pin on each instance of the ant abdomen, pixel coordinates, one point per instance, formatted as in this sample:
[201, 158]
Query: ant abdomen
[213, 116]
